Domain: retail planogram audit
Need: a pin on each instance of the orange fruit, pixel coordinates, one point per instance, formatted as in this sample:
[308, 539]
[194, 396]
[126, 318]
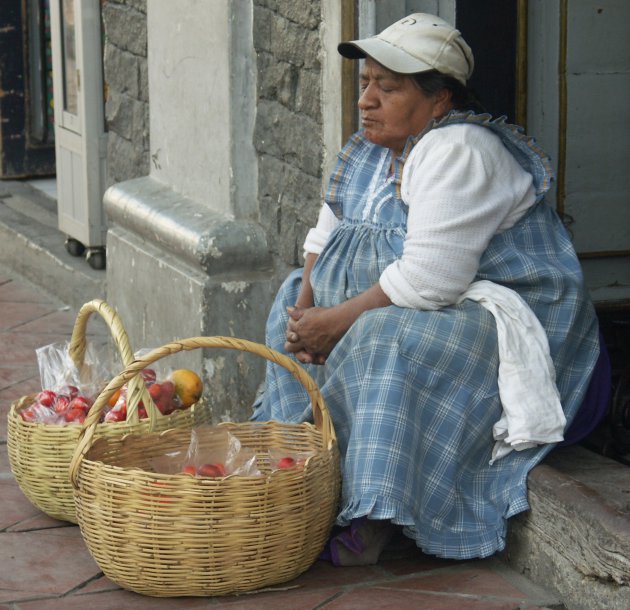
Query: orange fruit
[114, 399]
[188, 386]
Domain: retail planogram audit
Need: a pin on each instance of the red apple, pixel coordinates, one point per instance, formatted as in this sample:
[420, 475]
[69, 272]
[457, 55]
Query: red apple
[61, 404]
[46, 398]
[148, 375]
[75, 415]
[211, 470]
[80, 402]
[69, 390]
[286, 462]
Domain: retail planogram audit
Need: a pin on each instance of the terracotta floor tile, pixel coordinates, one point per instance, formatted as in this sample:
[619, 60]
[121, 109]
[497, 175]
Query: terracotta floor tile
[10, 376]
[52, 561]
[40, 521]
[416, 563]
[19, 348]
[16, 314]
[30, 385]
[5, 467]
[384, 599]
[114, 600]
[19, 292]
[470, 581]
[57, 322]
[295, 599]
[98, 585]
[324, 574]
[16, 508]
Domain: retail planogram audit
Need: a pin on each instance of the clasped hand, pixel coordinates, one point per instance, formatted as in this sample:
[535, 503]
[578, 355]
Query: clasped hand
[311, 333]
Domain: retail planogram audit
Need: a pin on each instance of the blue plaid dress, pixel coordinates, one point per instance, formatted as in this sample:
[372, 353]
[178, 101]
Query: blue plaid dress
[413, 394]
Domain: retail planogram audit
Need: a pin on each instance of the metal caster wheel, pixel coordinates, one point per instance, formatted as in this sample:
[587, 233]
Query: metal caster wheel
[96, 258]
[74, 247]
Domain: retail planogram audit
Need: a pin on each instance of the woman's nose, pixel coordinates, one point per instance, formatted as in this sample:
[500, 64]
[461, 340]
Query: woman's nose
[366, 99]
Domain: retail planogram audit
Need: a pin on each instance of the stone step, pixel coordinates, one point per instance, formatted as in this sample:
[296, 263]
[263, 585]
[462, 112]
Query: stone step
[32, 245]
[576, 537]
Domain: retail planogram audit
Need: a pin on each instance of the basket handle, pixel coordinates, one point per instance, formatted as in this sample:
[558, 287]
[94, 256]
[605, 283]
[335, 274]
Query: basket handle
[321, 416]
[137, 390]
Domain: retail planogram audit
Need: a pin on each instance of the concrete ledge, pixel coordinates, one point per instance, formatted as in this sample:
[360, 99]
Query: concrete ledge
[186, 228]
[576, 537]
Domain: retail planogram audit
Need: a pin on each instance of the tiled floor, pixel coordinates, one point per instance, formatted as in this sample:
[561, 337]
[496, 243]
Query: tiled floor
[44, 564]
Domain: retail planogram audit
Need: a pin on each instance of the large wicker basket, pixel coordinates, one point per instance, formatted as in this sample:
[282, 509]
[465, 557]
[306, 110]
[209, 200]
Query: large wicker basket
[40, 454]
[177, 535]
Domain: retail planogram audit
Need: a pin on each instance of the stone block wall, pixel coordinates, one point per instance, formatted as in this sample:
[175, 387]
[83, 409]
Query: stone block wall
[288, 134]
[126, 89]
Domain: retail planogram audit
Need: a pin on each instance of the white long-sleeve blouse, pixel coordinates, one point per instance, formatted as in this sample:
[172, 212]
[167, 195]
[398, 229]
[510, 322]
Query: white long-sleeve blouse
[462, 187]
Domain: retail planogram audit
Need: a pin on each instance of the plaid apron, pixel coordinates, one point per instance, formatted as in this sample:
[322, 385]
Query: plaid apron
[413, 394]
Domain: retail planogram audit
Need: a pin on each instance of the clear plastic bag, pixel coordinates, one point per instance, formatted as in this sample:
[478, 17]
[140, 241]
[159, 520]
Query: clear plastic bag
[213, 451]
[57, 369]
[67, 392]
[287, 460]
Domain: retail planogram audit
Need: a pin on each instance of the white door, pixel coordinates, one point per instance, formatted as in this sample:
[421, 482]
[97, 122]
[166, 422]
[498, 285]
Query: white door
[578, 91]
[80, 137]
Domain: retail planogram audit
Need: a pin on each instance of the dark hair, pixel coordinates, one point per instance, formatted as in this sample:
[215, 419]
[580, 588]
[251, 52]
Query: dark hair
[463, 97]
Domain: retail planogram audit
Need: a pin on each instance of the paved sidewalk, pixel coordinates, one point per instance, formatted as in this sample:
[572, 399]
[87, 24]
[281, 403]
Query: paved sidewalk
[44, 564]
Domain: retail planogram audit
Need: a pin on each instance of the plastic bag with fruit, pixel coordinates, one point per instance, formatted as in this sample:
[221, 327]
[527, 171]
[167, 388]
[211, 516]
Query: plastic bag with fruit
[213, 452]
[67, 392]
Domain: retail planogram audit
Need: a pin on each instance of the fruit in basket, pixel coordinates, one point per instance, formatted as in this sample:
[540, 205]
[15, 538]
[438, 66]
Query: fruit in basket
[114, 398]
[162, 395]
[80, 402]
[189, 469]
[69, 390]
[148, 375]
[75, 415]
[211, 470]
[118, 413]
[37, 414]
[46, 398]
[188, 386]
[286, 462]
[61, 404]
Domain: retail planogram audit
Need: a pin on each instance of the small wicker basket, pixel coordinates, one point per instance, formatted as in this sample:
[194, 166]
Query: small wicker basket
[177, 535]
[40, 454]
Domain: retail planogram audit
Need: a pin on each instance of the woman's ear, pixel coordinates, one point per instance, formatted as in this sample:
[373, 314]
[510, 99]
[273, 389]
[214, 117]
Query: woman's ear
[442, 102]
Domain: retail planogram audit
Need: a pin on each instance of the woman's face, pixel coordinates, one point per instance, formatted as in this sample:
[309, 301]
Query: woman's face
[393, 107]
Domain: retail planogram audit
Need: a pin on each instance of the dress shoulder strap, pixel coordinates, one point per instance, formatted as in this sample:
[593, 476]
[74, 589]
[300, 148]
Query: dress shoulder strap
[524, 148]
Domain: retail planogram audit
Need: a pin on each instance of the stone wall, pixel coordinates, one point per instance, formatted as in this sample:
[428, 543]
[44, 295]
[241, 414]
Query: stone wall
[288, 135]
[127, 89]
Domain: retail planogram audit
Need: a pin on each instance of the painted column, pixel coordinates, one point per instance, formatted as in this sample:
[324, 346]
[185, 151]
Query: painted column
[186, 254]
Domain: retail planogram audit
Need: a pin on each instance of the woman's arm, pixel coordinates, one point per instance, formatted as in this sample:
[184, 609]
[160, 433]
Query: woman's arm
[305, 298]
[312, 333]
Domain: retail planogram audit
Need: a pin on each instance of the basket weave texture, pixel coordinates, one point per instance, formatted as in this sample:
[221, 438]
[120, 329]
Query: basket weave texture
[40, 454]
[177, 535]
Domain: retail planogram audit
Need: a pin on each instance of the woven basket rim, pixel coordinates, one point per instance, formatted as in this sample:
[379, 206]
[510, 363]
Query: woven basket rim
[321, 416]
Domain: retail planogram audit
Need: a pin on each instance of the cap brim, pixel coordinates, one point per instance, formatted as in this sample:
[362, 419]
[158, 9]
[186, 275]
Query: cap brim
[384, 53]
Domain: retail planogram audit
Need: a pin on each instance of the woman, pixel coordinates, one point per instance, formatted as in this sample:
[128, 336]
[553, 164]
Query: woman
[433, 246]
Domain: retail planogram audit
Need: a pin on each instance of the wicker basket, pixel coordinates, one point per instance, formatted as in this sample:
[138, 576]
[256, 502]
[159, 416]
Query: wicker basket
[40, 454]
[177, 535]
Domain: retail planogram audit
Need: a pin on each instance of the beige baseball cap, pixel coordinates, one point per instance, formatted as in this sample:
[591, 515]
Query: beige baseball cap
[417, 43]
